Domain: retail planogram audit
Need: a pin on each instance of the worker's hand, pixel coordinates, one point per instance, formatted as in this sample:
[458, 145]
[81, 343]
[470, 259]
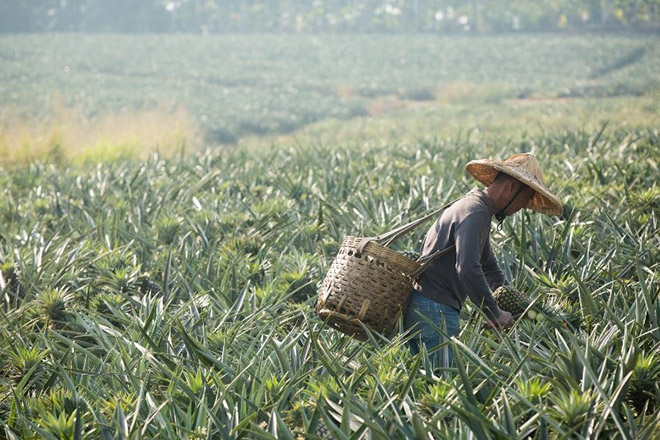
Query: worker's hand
[505, 320]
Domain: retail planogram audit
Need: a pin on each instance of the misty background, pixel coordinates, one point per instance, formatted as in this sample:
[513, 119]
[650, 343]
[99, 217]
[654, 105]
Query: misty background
[221, 16]
[88, 78]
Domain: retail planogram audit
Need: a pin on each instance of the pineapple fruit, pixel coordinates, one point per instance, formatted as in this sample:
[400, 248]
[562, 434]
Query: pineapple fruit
[514, 302]
[410, 254]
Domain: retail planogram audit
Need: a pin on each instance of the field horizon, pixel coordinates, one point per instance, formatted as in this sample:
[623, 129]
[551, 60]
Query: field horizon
[83, 96]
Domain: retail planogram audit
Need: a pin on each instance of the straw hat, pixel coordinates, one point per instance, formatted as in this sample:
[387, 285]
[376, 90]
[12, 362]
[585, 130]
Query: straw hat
[525, 168]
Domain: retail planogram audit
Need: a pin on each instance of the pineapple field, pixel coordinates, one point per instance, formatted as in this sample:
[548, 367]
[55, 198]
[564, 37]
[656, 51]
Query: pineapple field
[222, 88]
[172, 296]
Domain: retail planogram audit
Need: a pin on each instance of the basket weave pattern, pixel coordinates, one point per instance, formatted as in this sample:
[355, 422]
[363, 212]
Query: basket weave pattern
[372, 287]
[368, 284]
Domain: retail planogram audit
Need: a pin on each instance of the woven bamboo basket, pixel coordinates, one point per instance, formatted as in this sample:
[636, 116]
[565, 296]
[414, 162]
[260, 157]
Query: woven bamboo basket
[369, 284]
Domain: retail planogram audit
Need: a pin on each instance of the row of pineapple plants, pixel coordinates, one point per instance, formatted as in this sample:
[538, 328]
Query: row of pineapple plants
[173, 298]
[289, 81]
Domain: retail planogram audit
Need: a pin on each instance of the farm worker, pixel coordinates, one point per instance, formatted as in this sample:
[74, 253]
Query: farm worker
[471, 270]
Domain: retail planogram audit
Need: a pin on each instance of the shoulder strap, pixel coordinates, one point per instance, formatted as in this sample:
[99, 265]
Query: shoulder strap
[390, 237]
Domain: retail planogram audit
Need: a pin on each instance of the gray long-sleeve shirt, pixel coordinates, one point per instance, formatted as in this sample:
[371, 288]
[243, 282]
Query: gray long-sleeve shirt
[472, 270]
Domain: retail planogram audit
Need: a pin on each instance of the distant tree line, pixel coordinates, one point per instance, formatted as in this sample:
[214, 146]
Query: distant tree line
[338, 16]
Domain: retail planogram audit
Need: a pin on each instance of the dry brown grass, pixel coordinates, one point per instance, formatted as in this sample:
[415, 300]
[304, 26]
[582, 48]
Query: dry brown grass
[507, 118]
[384, 104]
[344, 91]
[66, 136]
[461, 92]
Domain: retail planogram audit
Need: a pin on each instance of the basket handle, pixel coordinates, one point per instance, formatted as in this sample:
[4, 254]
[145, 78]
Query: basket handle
[427, 260]
[395, 234]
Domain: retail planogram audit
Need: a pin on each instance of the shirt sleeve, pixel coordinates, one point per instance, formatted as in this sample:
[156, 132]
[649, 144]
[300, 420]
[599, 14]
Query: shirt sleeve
[470, 236]
[492, 271]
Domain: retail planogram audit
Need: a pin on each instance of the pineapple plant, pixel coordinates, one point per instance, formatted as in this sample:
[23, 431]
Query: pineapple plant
[118, 281]
[10, 284]
[110, 305]
[644, 388]
[571, 409]
[52, 305]
[60, 426]
[167, 229]
[28, 361]
[534, 390]
[146, 285]
[298, 276]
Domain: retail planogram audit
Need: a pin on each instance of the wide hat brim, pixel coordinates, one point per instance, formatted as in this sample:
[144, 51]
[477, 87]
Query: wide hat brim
[525, 168]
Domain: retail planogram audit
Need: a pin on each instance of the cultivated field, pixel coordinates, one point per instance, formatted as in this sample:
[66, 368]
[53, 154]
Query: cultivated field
[172, 297]
[162, 91]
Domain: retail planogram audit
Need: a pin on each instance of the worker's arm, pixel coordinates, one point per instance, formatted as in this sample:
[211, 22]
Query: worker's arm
[492, 271]
[470, 236]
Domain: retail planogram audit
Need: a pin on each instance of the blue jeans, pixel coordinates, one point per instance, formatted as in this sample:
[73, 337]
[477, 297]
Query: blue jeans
[443, 316]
